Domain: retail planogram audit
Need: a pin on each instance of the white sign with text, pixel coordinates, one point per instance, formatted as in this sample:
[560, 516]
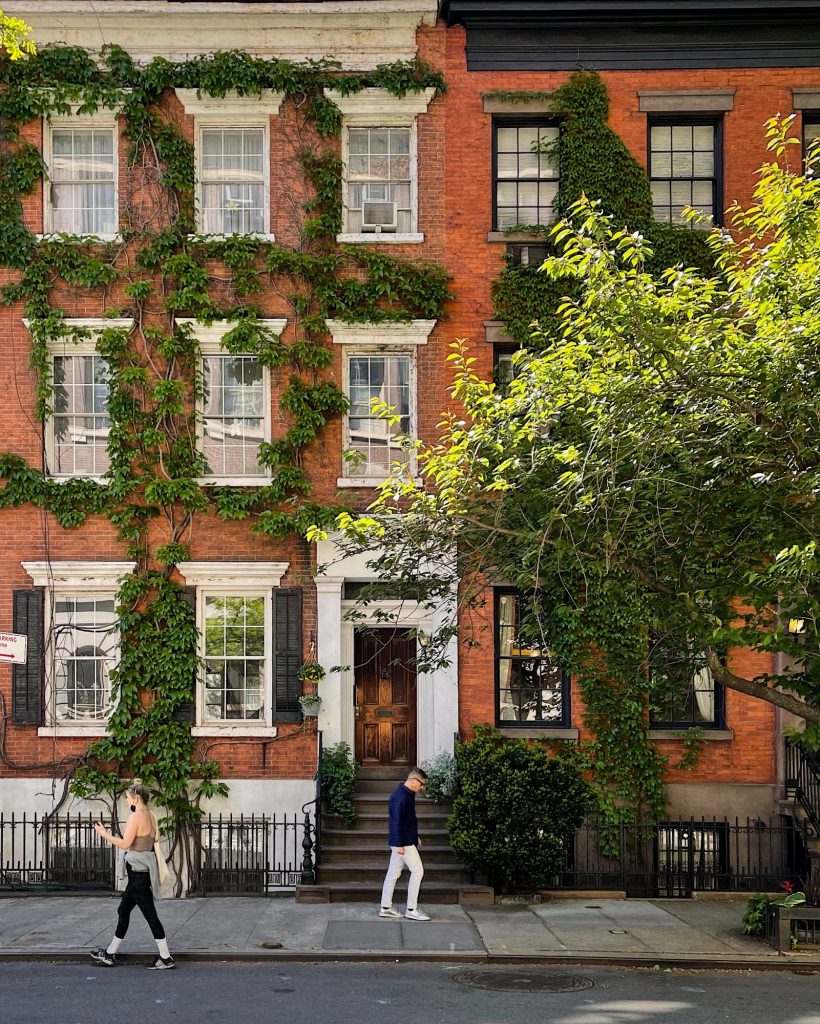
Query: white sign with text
[13, 648]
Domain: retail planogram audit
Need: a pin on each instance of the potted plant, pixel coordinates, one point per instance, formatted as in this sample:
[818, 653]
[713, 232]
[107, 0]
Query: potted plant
[311, 673]
[310, 704]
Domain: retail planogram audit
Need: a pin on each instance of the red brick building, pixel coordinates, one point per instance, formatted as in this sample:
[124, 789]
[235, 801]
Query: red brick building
[435, 177]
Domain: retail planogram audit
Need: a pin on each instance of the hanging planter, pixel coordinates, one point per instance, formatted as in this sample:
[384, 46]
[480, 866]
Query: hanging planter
[310, 705]
[311, 673]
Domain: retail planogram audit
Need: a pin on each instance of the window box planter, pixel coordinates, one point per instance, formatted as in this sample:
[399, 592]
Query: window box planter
[790, 927]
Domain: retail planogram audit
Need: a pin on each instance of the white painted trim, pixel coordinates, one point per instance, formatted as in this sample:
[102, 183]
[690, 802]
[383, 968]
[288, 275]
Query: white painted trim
[71, 729]
[97, 120]
[361, 481]
[232, 105]
[79, 576]
[233, 574]
[379, 107]
[255, 235]
[383, 335]
[386, 237]
[210, 336]
[235, 586]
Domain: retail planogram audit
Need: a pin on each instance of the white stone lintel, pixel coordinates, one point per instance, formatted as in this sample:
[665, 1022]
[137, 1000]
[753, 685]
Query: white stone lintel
[232, 574]
[79, 575]
[414, 332]
[232, 105]
[379, 106]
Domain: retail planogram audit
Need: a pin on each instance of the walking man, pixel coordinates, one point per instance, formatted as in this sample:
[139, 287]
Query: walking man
[404, 845]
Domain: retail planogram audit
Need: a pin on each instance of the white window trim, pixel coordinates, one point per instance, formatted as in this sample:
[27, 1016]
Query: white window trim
[232, 111]
[210, 344]
[235, 579]
[378, 108]
[89, 579]
[66, 346]
[106, 118]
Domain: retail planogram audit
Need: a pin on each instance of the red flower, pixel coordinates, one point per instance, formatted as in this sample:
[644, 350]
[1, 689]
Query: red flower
[787, 886]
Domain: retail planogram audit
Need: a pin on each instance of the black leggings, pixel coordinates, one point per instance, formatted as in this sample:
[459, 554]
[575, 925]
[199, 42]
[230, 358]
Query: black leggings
[138, 894]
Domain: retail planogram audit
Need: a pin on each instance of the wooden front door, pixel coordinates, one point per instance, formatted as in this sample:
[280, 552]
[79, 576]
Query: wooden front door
[385, 674]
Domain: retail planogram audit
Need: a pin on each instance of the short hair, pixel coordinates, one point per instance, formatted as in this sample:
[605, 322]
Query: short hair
[419, 774]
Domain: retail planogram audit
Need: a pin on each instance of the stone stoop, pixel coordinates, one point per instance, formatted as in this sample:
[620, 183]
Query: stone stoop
[353, 861]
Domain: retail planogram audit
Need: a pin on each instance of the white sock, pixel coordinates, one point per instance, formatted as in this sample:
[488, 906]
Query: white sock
[114, 945]
[162, 946]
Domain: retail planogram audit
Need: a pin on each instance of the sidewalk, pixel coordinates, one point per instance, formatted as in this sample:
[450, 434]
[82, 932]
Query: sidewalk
[666, 932]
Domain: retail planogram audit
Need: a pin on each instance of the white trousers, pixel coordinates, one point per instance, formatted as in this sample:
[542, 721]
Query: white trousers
[411, 860]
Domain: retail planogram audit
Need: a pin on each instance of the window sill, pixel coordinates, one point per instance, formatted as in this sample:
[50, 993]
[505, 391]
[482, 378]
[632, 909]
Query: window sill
[534, 732]
[516, 236]
[257, 236]
[234, 481]
[72, 730]
[369, 481]
[56, 236]
[103, 481]
[384, 238]
[715, 735]
[262, 732]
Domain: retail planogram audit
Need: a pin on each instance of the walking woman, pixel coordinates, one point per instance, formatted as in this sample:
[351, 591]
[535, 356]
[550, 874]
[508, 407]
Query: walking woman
[138, 841]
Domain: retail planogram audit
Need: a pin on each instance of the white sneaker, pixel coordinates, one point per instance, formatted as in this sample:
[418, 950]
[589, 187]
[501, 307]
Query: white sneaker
[416, 915]
[389, 912]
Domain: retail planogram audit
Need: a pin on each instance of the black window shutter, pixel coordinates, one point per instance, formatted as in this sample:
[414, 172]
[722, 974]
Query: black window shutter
[287, 653]
[27, 680]
[187, 712]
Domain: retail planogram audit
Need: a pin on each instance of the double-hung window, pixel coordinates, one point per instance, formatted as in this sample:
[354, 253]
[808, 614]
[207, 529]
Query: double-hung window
[531, 688]
[76, 431]
[685, 167]
[380, 165]
[379, 379]
[232, 155]
[235, 407]
[81, 155]
[82, 641]
[249, 674]
[525, 172]
[811, 132]
[683, 691]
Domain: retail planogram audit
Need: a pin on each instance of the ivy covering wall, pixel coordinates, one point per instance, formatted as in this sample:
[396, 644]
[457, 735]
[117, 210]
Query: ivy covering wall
[157, 270]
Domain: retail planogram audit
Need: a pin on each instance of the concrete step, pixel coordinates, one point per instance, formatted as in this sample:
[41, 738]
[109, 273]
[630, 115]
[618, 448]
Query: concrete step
[375, 822]
[431, 894]
[373, 873]
[380, 852]
[375, 838]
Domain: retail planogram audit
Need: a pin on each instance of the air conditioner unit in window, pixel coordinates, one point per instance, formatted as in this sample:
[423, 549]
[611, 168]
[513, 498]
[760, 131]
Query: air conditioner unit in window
[379, 216]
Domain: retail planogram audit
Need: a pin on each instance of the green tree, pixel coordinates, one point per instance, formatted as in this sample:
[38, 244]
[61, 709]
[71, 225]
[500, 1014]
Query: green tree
[14, 38]
[652, 470]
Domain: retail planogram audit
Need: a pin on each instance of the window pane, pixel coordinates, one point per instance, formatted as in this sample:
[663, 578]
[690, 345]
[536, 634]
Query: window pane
[86, 648]
[382, 379]
[703, 164]
[234, 658]
[234, 415]
[233, 192]
[520, 158]
[704, 137]
[80, 387]
[507, 165]
[681, 136]
[660, 137]
[531, 686]
[682, 165]
[507, 140]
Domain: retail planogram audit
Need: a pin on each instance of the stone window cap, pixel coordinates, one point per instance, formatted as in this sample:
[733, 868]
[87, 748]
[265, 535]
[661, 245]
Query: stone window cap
[686, 101]
[81, 575]
[378, 106]
[264, 104]
[496, 333]
[806, 98]
[233, 574]
[537, 105]
[93, 324]
[212, 334]
[415, 332]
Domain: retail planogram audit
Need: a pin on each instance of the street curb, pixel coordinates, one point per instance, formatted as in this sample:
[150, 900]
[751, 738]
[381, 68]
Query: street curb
[646, 961]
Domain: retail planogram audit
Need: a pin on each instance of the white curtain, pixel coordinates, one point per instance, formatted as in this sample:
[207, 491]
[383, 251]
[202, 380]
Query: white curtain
[705, 694]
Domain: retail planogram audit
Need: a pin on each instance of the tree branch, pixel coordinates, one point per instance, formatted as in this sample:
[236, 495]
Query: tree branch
[779, 698]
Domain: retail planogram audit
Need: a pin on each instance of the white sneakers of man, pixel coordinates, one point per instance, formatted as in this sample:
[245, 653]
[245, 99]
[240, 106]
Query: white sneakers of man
[417, 915]
[411, 915]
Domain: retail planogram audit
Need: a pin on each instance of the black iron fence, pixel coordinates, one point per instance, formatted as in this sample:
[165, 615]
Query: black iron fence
[680, 858]
[54, 853]
[254, 855]
[803, 782]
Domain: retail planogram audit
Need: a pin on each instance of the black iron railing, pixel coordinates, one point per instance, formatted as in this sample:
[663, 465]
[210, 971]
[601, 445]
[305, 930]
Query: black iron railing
[251, 854]
[803, 783]
[40, 853]
[679, 858]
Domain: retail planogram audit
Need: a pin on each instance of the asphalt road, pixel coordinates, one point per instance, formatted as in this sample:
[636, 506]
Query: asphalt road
[45, 993]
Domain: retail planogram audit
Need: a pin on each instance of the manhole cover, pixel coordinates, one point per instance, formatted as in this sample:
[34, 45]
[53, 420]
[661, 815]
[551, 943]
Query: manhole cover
[523, 981]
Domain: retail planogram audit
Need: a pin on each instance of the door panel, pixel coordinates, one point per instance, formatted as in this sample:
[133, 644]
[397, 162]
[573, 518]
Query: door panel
[385, 696]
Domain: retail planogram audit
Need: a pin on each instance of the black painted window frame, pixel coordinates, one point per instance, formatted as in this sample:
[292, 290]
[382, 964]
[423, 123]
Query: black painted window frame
[693, 121]
[565, 721]
[678, 724]
[518, 121]
[808, 117]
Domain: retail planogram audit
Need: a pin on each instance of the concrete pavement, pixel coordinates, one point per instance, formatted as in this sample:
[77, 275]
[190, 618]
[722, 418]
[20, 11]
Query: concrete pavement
[677, 932]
